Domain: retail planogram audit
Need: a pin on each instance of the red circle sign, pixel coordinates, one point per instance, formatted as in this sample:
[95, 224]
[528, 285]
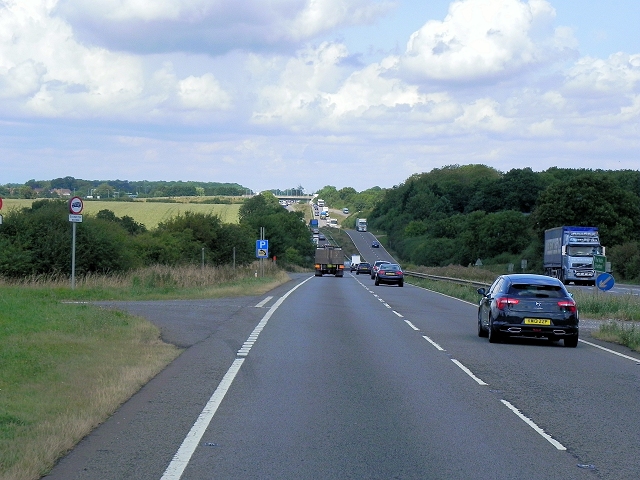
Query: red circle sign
[76, 205]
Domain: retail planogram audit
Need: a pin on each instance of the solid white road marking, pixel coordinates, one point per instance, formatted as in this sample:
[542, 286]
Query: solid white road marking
[529, 422]
[181, 459]
[610, 351]
[468, 372]
[263, 302]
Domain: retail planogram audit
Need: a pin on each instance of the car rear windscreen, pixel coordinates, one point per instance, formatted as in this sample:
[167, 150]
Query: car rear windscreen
[536, 291]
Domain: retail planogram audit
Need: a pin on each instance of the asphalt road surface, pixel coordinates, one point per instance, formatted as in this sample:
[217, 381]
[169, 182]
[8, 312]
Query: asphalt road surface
[334, 378]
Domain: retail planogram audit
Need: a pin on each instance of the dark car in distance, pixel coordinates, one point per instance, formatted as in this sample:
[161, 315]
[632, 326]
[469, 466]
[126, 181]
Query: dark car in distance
[390, 273]
[528, 306]
[375, 245]
[363, 267]
[375, 266]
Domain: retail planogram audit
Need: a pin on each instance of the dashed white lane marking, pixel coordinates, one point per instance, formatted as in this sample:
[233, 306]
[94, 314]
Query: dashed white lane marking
[398, 314]
[468, 372]
[181, 459]
[263, 302]
[611, 351]
[411, 325]
[433, 343]
[530, 422]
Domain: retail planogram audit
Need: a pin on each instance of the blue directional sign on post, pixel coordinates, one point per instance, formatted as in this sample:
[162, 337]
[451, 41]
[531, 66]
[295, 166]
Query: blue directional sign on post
[262, 248]
[605, 281]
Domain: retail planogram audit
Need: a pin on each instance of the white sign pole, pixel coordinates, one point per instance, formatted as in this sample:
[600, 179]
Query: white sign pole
[73, 258]
[75, 209]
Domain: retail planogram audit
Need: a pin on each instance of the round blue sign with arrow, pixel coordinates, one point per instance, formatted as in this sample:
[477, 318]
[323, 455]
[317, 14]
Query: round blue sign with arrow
[605, 281]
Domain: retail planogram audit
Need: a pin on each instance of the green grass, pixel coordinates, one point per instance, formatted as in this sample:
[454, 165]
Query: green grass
[148, 213]
[67, 366]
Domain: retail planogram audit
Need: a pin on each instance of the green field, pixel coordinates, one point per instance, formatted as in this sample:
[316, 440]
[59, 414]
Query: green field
[150, 214]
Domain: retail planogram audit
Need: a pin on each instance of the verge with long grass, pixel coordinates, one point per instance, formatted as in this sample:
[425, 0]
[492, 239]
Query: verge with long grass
[67, 365]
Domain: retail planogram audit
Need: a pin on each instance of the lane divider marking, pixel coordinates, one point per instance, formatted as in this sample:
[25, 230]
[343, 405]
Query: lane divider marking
[433, 343]
[530, 422]
[412, 325]
[468, 372]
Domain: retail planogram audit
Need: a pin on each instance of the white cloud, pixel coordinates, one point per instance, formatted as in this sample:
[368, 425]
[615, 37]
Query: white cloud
[616, 74]
[45, 71]
[213, 26]
[203, 93]
[482, 39]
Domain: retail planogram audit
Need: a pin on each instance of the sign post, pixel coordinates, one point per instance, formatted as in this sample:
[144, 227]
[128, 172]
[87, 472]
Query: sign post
[75, 209]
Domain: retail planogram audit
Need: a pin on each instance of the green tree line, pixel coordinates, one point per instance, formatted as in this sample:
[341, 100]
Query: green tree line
[37, 240]
[106, 189]
[458, 214]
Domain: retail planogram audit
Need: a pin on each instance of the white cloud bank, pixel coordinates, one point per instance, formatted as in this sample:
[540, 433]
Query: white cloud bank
[495, 81]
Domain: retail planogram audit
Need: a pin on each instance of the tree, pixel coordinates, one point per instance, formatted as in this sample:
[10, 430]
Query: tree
[590, 200]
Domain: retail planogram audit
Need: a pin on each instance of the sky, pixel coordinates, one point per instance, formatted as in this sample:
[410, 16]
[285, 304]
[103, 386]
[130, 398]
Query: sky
[287, 93]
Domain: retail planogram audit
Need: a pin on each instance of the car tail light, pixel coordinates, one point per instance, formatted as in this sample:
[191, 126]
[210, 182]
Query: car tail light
[568, 305]
[504, 301]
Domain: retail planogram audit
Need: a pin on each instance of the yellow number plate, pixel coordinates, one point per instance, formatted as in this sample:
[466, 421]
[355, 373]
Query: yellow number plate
[537, 321]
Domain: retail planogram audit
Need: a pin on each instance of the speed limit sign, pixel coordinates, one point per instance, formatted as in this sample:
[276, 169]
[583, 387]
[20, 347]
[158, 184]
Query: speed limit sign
[76, 205]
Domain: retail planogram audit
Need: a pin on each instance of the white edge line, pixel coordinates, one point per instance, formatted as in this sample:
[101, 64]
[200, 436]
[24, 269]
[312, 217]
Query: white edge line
[181, 459]
[433, 343]
[468, 372]
[611, 351]
[530, 422]
[411, 325]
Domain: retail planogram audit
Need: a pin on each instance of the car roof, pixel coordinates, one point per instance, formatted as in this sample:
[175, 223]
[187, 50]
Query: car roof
[532, 279]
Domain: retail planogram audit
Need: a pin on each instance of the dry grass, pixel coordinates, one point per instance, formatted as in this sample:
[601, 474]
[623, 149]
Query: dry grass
[160, 281]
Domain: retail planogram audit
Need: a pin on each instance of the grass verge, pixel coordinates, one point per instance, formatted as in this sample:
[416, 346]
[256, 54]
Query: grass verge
[622, 311]
[67, 366]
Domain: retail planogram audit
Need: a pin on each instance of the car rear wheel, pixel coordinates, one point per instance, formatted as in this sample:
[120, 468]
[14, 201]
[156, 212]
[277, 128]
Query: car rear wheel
[401, 284]
[493, 334]
[377, 282]
[482, 332]
[571, 342]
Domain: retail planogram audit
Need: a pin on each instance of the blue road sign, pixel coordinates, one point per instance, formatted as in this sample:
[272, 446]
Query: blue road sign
[605, 281]
[262, 248]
